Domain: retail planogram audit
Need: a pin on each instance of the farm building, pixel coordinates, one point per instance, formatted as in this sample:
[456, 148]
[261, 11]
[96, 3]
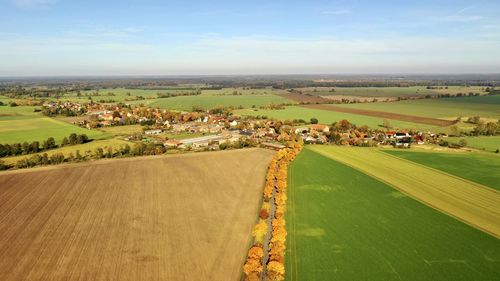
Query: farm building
[153, 132]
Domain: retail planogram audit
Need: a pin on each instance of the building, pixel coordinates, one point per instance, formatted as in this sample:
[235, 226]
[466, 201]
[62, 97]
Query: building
[153, 132]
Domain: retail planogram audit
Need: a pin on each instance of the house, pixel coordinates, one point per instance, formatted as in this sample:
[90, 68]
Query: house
[172, 143]
[390, 135]
[320, 128]
[272, 145]
[153, 132]
[301, 131]
[201, 141]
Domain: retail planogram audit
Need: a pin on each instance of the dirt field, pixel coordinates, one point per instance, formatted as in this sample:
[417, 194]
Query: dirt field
[303, 98]
[467, 201]
[180, 217]
[382, 114]
[358, 98]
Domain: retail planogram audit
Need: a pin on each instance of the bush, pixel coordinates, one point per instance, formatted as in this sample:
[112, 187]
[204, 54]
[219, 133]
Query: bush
[314, 120]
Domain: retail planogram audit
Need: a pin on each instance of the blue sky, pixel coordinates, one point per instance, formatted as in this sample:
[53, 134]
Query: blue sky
[63, 37]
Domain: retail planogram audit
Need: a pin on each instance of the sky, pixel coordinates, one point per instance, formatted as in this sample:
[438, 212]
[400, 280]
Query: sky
[73, 37]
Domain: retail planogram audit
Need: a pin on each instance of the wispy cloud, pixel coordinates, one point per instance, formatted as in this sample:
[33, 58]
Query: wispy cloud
[460, 16]
[34, 4]
[337, 12]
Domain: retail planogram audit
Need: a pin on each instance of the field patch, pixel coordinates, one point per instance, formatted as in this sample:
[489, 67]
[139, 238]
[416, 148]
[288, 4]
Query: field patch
[363, 231]
[470, 202]
[476, 167]
[328, 117]
[209, 101]
[20, 124]
[182, 217]
[487, 143]
[384, 115]
[384, 92]
[444, 108]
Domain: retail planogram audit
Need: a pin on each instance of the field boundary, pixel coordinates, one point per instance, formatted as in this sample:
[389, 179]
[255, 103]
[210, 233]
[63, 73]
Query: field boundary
[383, 114]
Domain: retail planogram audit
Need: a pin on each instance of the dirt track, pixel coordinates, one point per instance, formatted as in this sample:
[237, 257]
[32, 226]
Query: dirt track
[382, 114]
[185, 217]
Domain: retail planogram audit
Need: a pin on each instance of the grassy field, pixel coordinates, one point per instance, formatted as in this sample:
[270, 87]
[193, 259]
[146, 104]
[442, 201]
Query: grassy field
[470, 202]
[208, 100]
[83, 148]
[182, 217]
[345, 225]
[328, 117]
[484, 106]
[122, 130]
[19, 124]
[390, 91]
[487, 143]
[475, 167]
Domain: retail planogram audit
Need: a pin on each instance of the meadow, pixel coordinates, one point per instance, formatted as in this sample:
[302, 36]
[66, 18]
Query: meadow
[328, 117]
[484, 106]
[215, 98]
[21, 123]
[177, 217]
[390, 91]
[487, 143]
[475, 167]
[345, 225]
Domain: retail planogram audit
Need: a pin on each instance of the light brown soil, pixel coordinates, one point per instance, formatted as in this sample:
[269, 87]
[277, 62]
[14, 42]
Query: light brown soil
[302, 98]
[357, 98]
[382, 114]
[179, 217]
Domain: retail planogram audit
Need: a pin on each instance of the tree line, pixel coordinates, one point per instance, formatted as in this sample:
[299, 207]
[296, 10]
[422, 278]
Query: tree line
[24, 148]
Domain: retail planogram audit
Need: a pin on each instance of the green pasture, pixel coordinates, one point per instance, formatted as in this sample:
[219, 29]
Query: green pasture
[328, 117]
[21, 123]
[345, 225]
[212, 100]
[487, 143]
[484, 106]
[476, 167]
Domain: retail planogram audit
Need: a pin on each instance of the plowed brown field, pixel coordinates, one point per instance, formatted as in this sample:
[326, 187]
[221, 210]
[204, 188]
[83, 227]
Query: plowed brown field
[383, 114]
[184, 217]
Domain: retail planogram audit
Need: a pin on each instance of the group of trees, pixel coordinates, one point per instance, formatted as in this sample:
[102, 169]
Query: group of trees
[138, 149]
[35, 147]
[275, 185]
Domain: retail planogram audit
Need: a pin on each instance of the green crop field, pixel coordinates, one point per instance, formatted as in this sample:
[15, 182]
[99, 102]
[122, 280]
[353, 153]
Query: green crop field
[345, 225]
[20, 124]
[390, 91]
[475, 167]
[211, 100]
[484, 106]
[487, 143]
[328, 117]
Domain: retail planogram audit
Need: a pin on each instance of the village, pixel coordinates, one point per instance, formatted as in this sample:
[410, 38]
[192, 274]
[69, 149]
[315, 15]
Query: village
[219, 129]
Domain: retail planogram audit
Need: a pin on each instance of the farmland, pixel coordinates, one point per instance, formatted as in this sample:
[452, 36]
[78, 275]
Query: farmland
[381, 92]
[484, 106]
[183, 217]
[328, 117]
[471, 166]
[385, 115]
[487, 143]
[20, 124]
[212, 99]
[347, 225]
[470, 202]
